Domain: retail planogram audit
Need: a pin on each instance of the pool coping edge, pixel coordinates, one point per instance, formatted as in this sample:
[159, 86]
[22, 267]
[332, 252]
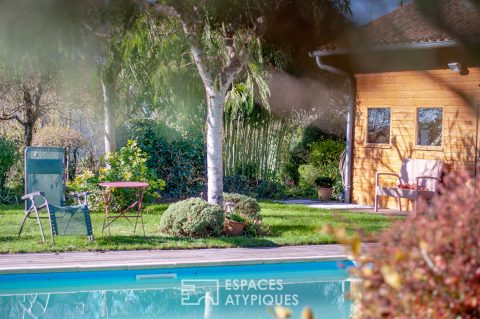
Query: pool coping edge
[169, 265]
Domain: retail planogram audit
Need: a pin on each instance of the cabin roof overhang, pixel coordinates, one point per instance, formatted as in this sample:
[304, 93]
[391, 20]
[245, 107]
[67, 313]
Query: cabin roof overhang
[386, 48]
[391, 57]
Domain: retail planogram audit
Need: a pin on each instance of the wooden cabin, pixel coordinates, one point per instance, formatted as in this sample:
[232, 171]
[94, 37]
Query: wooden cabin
[416, 94]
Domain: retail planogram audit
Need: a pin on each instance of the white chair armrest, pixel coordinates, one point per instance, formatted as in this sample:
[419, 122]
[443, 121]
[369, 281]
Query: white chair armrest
[426, 177]
[31, 198]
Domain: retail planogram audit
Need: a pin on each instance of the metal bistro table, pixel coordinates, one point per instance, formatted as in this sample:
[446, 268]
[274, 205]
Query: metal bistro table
[134, 213]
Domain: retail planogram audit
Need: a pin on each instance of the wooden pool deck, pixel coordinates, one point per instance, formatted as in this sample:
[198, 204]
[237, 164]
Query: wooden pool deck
[145, 259]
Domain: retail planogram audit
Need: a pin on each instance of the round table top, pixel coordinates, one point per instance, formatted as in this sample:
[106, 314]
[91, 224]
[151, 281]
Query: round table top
[124, 184]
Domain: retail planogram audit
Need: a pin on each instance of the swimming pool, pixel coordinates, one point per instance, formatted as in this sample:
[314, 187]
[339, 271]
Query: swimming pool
[214, 292]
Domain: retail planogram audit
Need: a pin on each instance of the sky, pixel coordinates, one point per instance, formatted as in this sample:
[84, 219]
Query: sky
[364, 11]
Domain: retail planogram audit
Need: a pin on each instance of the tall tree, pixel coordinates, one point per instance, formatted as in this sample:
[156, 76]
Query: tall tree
[224, 40]
[26, 97]
[109, 22]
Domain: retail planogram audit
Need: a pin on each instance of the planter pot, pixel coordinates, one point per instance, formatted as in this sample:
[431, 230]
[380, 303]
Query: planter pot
[233, 228]
[325, 193]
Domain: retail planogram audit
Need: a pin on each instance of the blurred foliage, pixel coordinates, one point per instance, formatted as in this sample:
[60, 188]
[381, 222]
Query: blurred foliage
[429, 265]
[281, 312]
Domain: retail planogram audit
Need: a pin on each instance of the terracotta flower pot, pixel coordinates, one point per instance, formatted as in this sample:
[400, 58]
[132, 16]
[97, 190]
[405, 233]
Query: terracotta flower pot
[233, 228]
[325, 193]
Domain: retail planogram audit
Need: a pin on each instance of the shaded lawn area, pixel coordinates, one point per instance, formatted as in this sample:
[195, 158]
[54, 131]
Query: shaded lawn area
[287, 224]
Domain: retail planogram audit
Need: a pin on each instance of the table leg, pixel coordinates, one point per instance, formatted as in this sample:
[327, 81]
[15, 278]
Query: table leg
[106, 195]
[139, 212]
[106, 200]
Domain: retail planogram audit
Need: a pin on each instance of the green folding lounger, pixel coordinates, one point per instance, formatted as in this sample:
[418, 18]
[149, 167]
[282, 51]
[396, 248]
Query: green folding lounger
[45, 191]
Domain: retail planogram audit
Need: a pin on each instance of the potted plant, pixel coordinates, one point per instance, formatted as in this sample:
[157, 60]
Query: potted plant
[324, 187]
[234, 225]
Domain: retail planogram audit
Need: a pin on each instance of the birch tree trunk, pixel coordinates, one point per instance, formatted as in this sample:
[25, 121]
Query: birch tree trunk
[211, 78]
[108, 89]
[215, 110]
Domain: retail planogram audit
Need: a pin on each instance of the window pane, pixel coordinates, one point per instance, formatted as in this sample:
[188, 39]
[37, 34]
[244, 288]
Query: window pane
[429, 126]
[378, 126]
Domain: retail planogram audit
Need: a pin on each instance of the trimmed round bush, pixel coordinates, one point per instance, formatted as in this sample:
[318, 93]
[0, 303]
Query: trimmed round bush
[245, 206]
[192, 217]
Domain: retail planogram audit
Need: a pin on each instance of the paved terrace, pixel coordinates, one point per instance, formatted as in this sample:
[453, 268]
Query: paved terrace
[340, 206]
[144, 259]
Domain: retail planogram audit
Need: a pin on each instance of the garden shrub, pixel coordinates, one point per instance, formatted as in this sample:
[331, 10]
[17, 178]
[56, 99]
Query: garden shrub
[248, 208]
[301, 153]
[301, 192]
[179, 160]
[88, 181]
[324, 182]
[325, 154]
[8, 156]
[289, 171]
[192, 217]
[127, 164]
[240, 185]
[245, 206]
[308, 175]
[429, 265]
[270, 190]
[253, 187]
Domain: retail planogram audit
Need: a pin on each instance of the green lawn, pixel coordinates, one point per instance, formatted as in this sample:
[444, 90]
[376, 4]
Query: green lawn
[288, 225]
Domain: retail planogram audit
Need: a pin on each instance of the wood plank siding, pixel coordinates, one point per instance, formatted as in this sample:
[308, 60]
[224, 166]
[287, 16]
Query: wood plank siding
[403, 92]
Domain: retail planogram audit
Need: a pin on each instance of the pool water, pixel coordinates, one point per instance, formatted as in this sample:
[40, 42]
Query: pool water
[211, 292]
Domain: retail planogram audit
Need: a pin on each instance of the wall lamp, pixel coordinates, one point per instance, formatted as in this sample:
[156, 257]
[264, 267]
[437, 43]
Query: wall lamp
[457, 67]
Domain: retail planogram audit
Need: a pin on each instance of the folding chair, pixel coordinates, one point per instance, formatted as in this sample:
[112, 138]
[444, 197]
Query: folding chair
[44, 191]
